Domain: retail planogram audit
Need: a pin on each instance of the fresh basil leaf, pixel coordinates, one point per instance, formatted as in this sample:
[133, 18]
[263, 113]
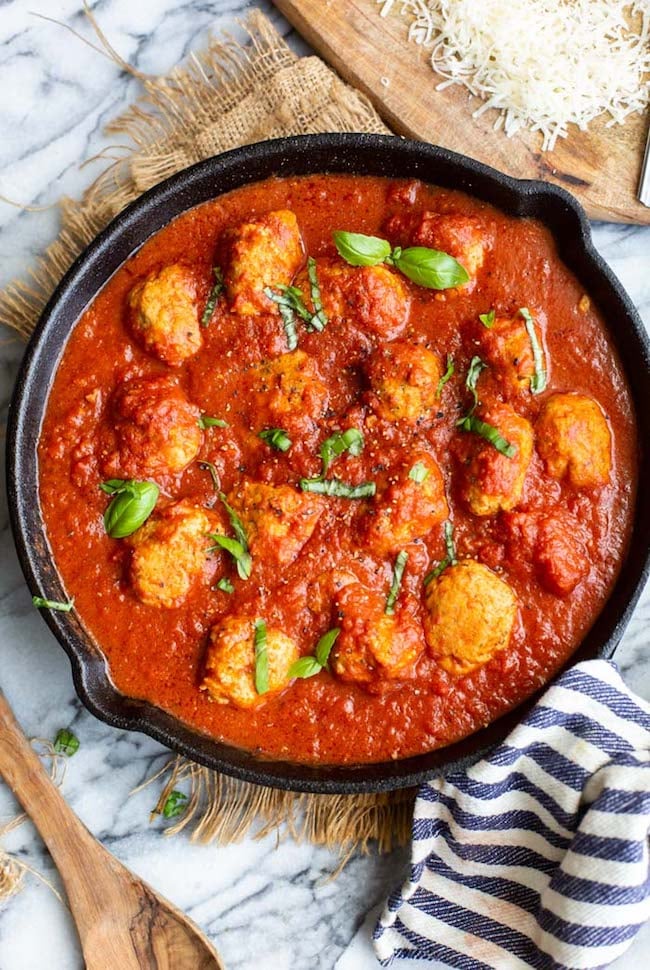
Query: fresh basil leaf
[358, 249]
[235, 521]
[288, 317]
[214, 474]
[538, 380]
[43, 604]
[132, 505]
[476, 366]
[398, 573]
[319, 319]
[207, 422]
[350, 441]
[276, 438]
[336, 488]
[66, 743]
[261, 658]
[225, 585]
[487, 319]
[430, 268]
[325, 644]
[449, 542]
[175, 804]
[305, 667]
[237, 550]
[214, 295]
[113, 485]
[436, 571]
[419, 473]
[448, 374]
[489, 433]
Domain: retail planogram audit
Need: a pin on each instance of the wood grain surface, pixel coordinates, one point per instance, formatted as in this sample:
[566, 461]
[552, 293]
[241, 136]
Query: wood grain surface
[123, 924]
[600, 167]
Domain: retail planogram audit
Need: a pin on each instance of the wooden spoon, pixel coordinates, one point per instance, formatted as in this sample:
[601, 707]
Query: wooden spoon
[121, 921]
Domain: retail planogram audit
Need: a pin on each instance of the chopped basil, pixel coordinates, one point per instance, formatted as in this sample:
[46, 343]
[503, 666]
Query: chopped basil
[207, 422]
[398, 573]
[66, 743]
[350, 441]
[426, 267]
[225, 585]
[487, 319]
[291, 297]
[476, 365]
[446, 376]
[132, 505]
[449, 560]
[490, 433]
[214, 474]
[337, 488]
[319, 319]
[310, 666]
[538, 380]
[419, 473]
[175, 804]
[358, 249]
[261, 658]
[235, 521]
[215, 293]
[43, 604]
[276, 438]
[237, 550]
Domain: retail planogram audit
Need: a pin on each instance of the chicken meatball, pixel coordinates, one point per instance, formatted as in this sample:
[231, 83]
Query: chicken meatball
[490, 480]
[373, 297]
[170, 553]
[574, 440]
[465, 238]
[506, 347]
[264, 253]
[229, 675]
[404, 381]
[409, 508]
[278, 519]
[373, 648]
[155, 430]
[470, 616]
[289, 393]
[163, 314]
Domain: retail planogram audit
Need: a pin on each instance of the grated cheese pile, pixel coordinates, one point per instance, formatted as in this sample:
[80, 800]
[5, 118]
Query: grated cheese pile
[542, 64]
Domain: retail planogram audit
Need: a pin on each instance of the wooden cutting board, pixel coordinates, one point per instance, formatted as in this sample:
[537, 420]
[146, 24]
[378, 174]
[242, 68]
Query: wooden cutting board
[601, 167]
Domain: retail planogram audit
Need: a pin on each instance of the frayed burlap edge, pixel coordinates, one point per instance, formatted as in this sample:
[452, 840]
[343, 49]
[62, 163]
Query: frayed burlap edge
[229, 95]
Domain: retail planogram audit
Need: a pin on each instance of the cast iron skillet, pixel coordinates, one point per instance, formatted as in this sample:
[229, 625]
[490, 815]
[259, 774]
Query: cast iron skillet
[356, 153]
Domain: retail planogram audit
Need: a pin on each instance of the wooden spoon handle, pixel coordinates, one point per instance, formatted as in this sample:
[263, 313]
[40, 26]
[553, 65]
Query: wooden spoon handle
[67, 839]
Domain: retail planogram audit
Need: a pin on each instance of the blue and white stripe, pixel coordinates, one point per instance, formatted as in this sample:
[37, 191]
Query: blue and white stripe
[538, 855]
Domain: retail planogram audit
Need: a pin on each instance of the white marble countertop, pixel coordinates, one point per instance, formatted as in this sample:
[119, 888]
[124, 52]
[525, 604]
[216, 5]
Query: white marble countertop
[56, 94]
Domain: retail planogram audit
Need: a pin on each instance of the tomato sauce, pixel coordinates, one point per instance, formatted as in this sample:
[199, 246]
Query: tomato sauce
[157, 654]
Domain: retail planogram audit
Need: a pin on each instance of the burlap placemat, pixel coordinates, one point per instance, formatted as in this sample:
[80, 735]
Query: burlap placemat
[226, 96]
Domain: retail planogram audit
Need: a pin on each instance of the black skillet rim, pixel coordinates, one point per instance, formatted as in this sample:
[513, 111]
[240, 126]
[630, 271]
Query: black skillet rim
[303, 155]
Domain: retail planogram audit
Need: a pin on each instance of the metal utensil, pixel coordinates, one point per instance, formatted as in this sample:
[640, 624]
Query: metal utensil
[644, 183]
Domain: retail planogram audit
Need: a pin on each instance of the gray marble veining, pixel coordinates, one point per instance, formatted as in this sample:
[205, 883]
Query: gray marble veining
[264, 905]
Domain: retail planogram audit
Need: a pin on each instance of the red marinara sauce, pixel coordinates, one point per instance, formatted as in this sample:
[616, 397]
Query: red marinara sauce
[548, 531]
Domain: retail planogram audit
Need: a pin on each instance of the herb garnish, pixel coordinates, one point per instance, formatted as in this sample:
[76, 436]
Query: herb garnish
[419, 473]
[205, 422]
[538, 380]
[276, 438]
[487, 319]
[337, 488]
[312, 665]
[291, 303]
[238, 547]
[261, 658]
[398, 572]
[214, 475]
[471, 423]
[427, 267]
[66, 743]
[132, 504]
[43, 604]
[215, 293]
[351, 441]
[175, 804]
[449, 560]
[319, 317]
[446, 376]
[225, 585]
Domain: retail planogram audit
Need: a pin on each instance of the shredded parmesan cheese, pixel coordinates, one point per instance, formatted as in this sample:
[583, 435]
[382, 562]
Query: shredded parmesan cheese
[541, 64]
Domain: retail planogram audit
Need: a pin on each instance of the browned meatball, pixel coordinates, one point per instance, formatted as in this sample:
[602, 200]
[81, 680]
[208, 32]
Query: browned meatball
[490, 480]
[373, 648]
[278, 519]
[471, 614]
[164, 314]
[170, 553]
[506, 347]
[574, 440]
[229, 675]
[289, 393]
[404, 381]
[264, 253]
[374, 298]
[408, 509]
[155, 430]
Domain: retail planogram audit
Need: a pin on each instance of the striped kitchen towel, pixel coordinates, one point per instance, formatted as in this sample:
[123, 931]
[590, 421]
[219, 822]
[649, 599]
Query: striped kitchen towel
[536, 856]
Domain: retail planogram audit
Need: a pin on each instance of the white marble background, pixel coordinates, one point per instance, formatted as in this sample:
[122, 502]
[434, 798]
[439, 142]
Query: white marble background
[264, 906]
